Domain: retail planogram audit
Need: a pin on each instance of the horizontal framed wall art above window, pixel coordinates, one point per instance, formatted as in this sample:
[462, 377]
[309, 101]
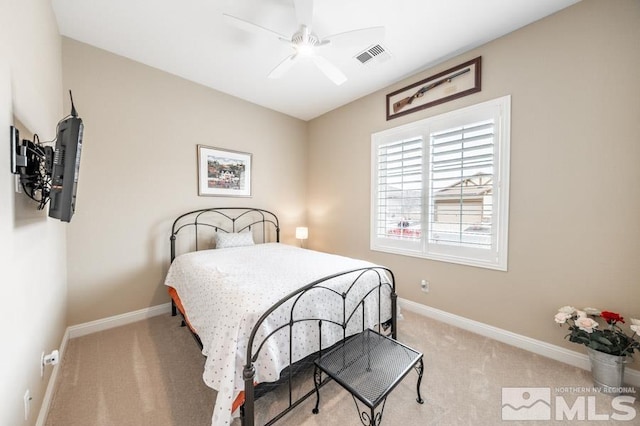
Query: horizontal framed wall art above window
[440, 186]
[454, 83]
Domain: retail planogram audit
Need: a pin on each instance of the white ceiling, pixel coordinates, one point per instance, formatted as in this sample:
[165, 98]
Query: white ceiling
[190, 38]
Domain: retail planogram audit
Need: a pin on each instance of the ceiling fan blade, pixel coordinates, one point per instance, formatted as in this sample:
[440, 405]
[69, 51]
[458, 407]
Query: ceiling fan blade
[253, 28]
[330, 70]
[369, 35]
[304, 12]
[283, 66]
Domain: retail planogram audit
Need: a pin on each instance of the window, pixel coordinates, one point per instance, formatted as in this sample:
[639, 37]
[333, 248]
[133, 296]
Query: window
[440, 186]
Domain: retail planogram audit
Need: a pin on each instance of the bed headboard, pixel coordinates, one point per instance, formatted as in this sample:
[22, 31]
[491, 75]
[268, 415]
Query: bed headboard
[197, 228]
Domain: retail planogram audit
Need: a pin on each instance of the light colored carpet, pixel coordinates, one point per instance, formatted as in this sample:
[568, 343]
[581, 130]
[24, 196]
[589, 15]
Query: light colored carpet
[150, 373]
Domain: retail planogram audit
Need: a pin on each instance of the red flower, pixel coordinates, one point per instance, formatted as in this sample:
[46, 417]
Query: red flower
[611, 317]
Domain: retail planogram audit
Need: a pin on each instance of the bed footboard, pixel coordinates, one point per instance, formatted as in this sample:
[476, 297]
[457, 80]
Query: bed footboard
[354, 302]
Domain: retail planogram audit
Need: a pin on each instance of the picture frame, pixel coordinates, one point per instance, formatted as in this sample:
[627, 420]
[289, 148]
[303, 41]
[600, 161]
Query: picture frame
[223, 172]
[456, 82]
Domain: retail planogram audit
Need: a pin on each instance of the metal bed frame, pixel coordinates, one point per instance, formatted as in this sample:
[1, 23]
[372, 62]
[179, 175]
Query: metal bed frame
[265, 227]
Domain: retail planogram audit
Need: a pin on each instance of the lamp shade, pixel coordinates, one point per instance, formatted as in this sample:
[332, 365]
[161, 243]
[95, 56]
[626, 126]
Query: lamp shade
[302, 232]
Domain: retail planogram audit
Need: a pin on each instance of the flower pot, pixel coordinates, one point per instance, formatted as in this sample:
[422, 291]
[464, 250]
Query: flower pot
[607, 370]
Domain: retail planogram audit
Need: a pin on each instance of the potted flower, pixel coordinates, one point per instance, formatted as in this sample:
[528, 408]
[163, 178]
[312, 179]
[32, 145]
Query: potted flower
[608, 345]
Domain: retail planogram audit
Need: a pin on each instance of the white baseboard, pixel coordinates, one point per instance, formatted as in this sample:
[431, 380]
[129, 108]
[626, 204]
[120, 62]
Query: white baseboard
[576, 359]
[117, 320]
[88, 328]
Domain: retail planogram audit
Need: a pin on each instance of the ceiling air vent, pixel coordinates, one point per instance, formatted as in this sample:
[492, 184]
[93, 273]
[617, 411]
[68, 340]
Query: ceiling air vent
[376, 52]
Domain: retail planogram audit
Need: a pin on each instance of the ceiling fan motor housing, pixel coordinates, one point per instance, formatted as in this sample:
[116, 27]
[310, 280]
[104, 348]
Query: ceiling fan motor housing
[304, 40]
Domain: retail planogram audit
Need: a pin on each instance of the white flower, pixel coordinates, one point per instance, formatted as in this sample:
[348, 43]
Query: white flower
[635, 321]
[586, 324]
[635, 328]
[561, 317]
[567, 310]
[581, 314]
[592, 311]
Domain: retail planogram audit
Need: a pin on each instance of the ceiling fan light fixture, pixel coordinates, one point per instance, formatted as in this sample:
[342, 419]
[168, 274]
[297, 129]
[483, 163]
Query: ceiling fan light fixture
[304, 41]
[304, 49]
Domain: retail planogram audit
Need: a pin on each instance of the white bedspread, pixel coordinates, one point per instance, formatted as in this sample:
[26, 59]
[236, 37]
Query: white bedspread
[225, 291]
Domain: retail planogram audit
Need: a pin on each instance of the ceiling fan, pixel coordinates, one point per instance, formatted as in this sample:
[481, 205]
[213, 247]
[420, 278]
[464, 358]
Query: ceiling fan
[305, 42]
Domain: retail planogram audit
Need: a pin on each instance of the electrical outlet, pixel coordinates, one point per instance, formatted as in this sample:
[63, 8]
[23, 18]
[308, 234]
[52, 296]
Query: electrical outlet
[52, 358]
[424, 286]
[27, 404]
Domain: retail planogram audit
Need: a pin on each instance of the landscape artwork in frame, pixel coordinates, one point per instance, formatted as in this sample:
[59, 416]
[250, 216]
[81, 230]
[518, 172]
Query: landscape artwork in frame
[223, 172]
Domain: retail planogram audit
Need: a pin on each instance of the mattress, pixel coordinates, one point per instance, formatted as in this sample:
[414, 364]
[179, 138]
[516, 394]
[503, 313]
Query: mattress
[225, 291]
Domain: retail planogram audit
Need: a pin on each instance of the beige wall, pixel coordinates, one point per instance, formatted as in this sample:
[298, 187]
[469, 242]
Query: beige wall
[575, 194]
[138, 172]
[32, 247]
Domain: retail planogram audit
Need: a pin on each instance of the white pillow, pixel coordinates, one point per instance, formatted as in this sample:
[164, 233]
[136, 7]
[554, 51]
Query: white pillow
[233, 239]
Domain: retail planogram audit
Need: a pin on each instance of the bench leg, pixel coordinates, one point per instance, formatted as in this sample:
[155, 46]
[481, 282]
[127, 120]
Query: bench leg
[420, 369]
[372, 418]
[317, 381]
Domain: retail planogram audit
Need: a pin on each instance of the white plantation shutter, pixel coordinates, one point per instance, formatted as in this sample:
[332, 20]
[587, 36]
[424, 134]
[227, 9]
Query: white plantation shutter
[399, 189]
[440, 187]
[461, 185]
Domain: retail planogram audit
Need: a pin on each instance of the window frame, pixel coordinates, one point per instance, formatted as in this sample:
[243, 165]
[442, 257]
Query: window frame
[497, 256]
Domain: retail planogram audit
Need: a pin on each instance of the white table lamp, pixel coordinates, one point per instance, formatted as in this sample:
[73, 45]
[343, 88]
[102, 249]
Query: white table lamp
[302, 233]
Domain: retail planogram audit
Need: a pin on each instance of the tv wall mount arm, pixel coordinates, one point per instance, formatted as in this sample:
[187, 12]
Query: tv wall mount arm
[33, 162]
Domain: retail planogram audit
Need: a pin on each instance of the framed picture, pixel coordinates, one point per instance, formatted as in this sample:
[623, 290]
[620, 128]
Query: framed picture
[223, 173]
[456, 82]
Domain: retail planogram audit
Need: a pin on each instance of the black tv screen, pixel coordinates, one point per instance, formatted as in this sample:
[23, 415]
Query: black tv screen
[65, 168]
